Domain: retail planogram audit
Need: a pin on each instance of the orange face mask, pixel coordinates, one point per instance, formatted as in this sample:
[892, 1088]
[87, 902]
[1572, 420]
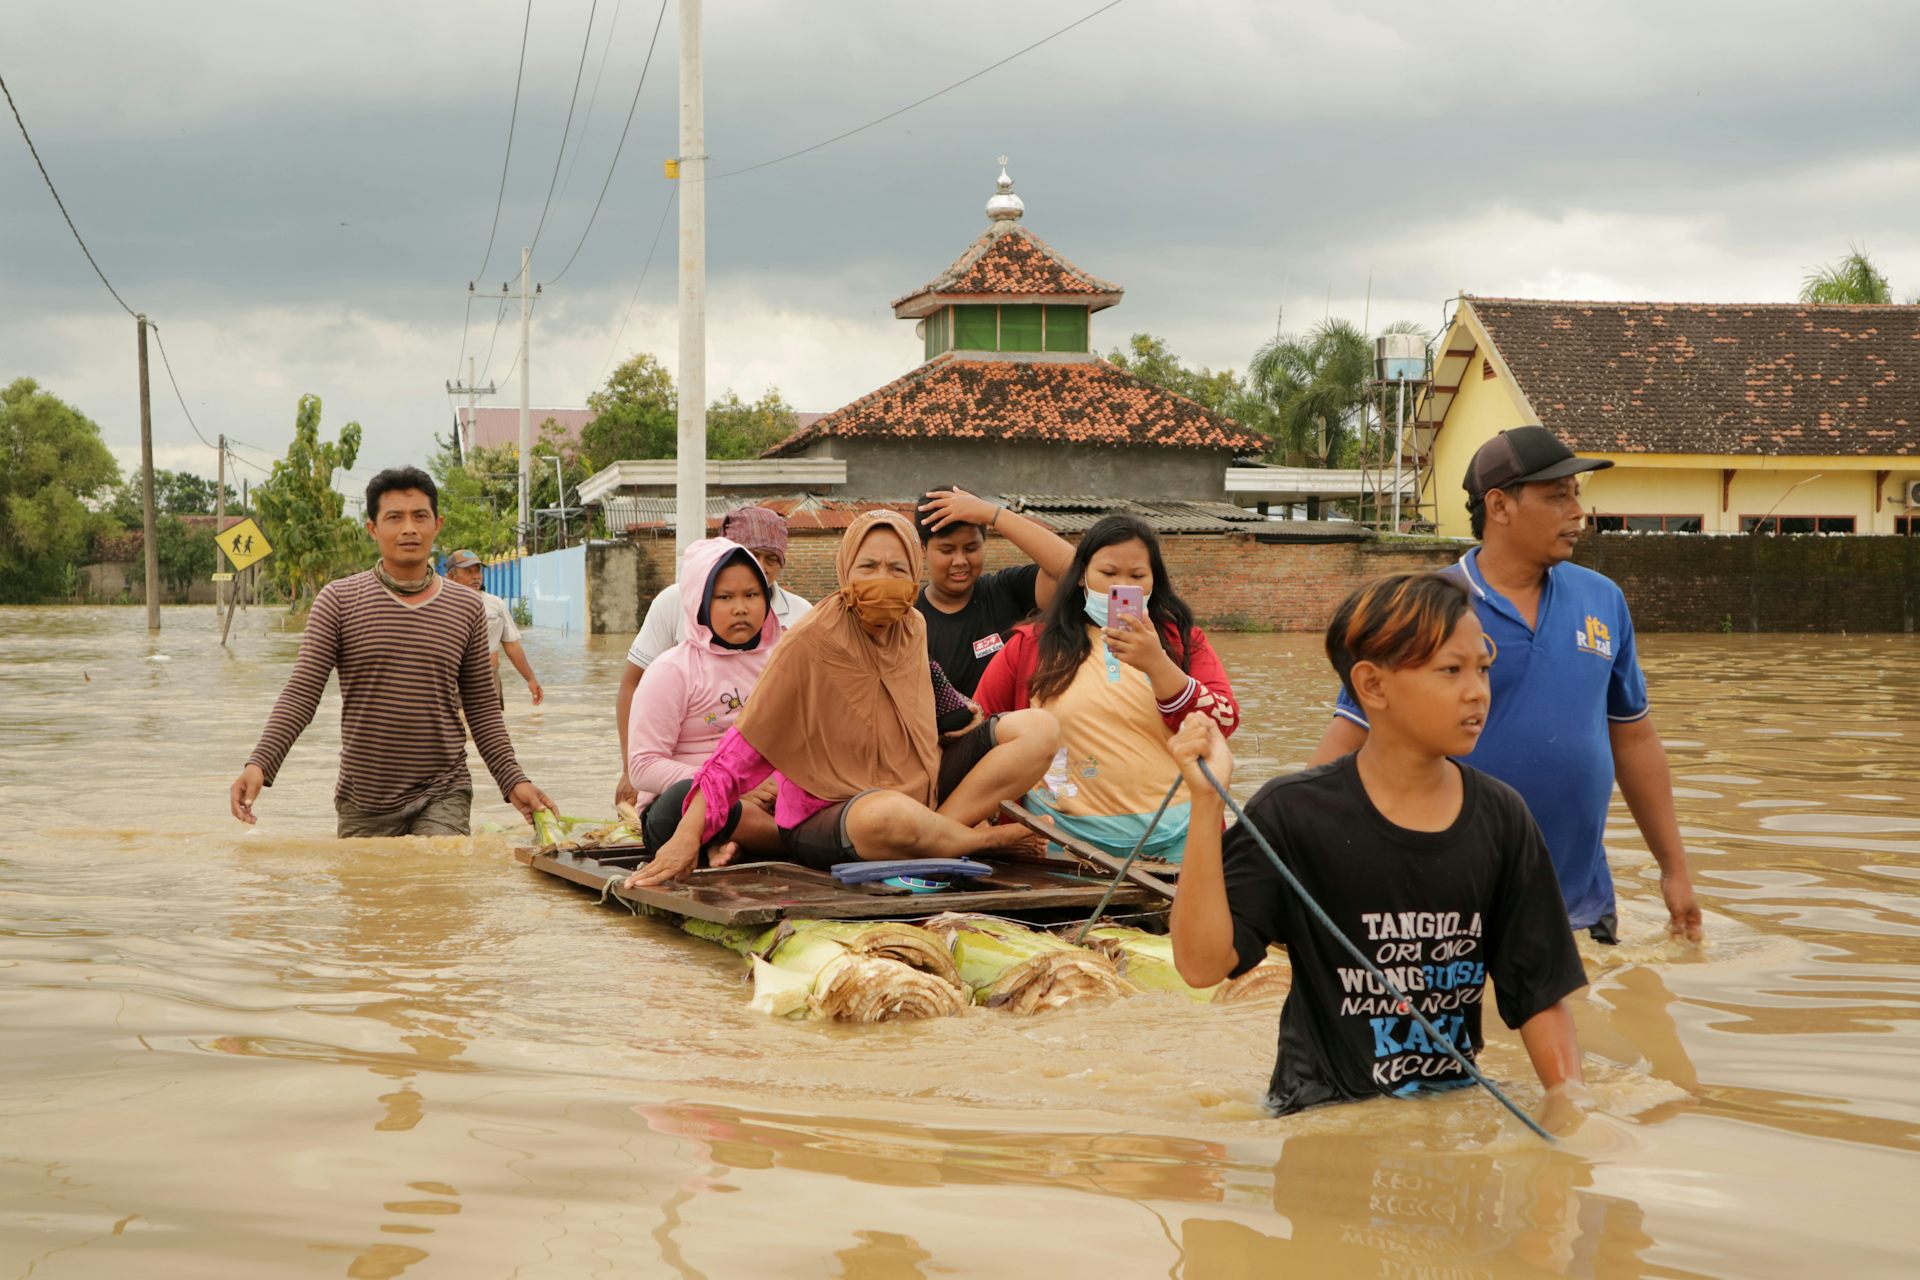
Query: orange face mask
[881, 602]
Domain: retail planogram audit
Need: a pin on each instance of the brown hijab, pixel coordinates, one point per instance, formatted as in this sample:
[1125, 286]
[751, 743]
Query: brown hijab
[840, 711]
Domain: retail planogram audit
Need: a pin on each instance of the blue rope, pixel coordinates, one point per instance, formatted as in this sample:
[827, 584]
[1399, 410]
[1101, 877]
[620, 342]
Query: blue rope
[1340, 936]
[1127, 866]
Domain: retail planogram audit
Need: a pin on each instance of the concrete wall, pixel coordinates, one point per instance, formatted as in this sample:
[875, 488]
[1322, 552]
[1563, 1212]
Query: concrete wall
[106, 581]
[1481, 409]
[1761, 486]
[902, 469]
[1674, 582]
[554, 584]
[1686, 582]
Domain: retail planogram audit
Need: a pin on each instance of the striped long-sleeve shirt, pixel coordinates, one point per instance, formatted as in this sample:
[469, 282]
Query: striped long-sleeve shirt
[406, 671]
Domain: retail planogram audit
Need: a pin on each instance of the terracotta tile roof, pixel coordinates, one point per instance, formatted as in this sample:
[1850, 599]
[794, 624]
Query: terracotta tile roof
[1009, 261]
[1659, 377]
[952, 397]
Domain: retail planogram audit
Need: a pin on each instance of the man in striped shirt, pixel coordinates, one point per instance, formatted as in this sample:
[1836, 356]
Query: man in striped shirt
[411, 650]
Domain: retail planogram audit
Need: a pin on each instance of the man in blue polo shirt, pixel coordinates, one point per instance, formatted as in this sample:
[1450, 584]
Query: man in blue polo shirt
[1569, 714]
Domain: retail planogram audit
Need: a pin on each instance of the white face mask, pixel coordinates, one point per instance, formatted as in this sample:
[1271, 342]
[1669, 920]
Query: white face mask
[1097, 607]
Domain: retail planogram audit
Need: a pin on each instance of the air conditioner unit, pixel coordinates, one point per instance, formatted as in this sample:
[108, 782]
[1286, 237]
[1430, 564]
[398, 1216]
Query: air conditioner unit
[1913, 493]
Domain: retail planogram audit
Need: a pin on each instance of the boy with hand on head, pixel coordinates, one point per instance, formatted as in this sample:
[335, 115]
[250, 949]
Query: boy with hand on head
[1431, 868]
[970, 613]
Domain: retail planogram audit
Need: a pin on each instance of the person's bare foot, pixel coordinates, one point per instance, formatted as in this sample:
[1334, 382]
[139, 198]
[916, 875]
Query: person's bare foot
[1011, 836]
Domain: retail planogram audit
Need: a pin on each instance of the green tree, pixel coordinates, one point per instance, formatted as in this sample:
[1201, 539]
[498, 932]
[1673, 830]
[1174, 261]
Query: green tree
[1315, 385]
[175, 493]
[52, 465]
[185, 552]
[1853, 278]
[737, 428]
[303, 515]
[479, 498]
[636, 414]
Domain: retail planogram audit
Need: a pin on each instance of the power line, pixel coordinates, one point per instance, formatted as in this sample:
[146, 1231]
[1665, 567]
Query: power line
[622, 144]
[672, 194]
[486, 369]
[168, 366]
[593, 97]
[578, 71]
[58, 201]
[512, 121]
[919, 102]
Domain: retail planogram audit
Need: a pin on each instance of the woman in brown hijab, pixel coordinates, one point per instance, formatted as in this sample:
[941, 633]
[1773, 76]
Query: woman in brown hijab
[844, 712]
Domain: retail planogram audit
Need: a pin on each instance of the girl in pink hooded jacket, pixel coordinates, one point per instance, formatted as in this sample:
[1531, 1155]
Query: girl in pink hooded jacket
[695, 690]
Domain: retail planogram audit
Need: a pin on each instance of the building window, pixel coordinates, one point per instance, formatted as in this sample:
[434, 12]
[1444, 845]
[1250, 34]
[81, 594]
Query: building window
[939, 332]
[1603, 523]
[1066, 328]
[976, 328]
[1907, 526]
[1020, 328]
[1797, 524]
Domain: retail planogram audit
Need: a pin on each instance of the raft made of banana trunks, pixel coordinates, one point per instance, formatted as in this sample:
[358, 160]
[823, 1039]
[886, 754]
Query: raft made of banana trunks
[816, 947]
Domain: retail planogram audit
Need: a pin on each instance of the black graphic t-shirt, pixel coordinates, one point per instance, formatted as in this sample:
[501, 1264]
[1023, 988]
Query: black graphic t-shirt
[1439, 911]
[963, 643]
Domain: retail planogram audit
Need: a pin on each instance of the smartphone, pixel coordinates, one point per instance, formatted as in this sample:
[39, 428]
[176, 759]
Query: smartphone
[1122, 601]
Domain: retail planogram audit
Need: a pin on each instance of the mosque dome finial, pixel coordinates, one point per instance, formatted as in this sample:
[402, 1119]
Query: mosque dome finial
[1005, 206]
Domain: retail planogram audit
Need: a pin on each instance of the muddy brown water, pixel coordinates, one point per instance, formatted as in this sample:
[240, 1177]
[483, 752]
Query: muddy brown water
[245, 1053]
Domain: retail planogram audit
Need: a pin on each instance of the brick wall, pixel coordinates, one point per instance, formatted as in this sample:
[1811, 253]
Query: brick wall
[1675, 582]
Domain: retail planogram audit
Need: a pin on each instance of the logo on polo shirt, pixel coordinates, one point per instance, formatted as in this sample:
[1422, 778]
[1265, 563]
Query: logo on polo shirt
[988, 645]
[1594, 638]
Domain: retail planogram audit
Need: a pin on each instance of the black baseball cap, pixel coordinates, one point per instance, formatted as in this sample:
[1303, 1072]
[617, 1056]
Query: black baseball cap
[1522, 455]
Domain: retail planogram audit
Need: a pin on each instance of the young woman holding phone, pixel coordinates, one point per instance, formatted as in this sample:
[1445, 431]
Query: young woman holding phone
[1117, 659]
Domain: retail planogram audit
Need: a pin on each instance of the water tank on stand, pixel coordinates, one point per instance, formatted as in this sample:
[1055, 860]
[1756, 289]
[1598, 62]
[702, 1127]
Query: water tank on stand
[1400, 357]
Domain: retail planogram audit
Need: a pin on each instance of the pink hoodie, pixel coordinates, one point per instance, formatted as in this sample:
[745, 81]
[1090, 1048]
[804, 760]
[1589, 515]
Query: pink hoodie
[693, 693]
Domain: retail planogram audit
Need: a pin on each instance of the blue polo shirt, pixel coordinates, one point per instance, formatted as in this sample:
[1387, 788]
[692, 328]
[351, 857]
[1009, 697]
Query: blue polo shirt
[1556, 688]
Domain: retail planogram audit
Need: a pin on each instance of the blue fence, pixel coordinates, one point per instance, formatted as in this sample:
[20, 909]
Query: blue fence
[554, 585]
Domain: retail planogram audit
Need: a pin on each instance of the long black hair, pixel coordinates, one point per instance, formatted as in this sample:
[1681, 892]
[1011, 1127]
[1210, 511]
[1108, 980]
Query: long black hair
[1064, 642]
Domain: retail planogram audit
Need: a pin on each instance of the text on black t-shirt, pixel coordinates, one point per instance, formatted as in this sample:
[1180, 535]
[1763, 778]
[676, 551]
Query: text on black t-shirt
[1440, 912]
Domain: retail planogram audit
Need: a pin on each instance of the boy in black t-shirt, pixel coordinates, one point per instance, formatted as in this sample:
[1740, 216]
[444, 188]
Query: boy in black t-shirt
[969, 612]
[1434, 870]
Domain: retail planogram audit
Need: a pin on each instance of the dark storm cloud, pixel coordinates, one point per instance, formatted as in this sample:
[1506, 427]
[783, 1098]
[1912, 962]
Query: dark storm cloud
[302, 193]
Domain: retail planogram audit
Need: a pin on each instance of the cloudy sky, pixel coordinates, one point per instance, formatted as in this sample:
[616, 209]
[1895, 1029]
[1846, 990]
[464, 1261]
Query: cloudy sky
[299, 194]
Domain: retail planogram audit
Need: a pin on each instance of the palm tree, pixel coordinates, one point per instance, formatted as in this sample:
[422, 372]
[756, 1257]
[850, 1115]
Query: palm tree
[1852, 279]
[1315, 384]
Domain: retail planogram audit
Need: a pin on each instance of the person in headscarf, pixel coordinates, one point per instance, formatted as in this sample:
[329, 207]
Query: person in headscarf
[845, 713]
[695, 691]
[1119, 687]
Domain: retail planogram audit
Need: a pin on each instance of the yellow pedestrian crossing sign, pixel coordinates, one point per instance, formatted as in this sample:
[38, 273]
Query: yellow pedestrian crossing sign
[244, 544]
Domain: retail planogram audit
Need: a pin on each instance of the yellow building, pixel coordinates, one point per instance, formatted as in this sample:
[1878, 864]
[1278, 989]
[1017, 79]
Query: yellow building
[1795, 418]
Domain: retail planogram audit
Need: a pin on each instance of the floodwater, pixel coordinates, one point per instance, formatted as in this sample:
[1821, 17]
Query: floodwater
[230, 1052]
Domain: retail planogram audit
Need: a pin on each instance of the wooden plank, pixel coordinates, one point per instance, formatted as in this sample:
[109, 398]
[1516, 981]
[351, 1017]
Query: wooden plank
[765, 892]
[1139, 872]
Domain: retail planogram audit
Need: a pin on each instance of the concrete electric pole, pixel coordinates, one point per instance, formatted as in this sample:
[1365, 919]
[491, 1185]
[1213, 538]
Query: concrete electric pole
[472, 390]
[690, 524]
[150, 523]
[526, 390]
[220, 589]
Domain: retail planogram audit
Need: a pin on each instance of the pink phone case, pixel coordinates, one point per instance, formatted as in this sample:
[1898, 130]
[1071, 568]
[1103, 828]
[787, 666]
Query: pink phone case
[1122, 601]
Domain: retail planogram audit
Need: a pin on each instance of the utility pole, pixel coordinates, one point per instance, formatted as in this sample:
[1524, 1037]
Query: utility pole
[150, 524]
[472, 390]
[221, 590]
[526, 387]
[246, 580]
[690, 524]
